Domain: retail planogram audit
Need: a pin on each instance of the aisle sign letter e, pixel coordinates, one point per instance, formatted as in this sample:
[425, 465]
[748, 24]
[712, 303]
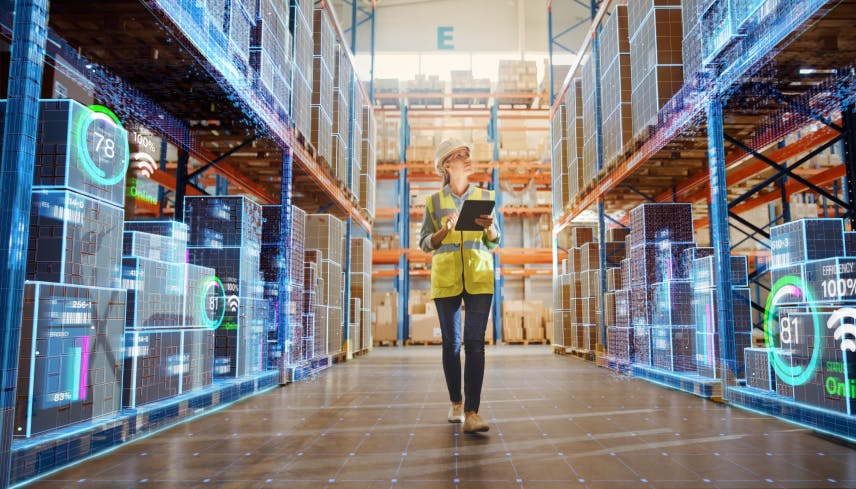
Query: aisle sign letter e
[444, 38]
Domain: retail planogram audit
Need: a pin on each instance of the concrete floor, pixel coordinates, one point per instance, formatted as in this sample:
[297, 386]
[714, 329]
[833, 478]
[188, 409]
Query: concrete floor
[556, 423]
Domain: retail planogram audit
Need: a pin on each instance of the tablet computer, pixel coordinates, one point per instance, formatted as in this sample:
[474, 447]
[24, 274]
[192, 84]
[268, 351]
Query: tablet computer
[470, 211]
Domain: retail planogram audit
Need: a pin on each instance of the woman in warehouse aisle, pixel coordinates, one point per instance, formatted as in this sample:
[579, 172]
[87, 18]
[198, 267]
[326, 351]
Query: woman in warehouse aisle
[461, 271]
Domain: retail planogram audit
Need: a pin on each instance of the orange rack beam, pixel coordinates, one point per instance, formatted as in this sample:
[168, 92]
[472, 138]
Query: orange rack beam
[792, 187]
[507, 211]
[702, 178]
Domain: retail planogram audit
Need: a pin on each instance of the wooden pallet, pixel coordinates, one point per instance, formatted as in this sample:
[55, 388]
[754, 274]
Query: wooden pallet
[525, 342]
[385, 342]
[584, 354]
[423, 343]
[361, 352]
[339, 357]
[305, 143]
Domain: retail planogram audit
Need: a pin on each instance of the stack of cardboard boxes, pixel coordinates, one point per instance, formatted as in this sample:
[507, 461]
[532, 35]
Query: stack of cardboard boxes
[387, 86]
[615, 84]
[523, 321]
[368, 169]
[587, 334]
[464, 83]
[588, 82]
[560, 158]
[387, 142]
[324, 62]
[574, 103]
[426, 91]
[421, 148]
[655, 53]
[424, 322]
[385, 317]
[386, 242]
[517, 77]
[326, 235]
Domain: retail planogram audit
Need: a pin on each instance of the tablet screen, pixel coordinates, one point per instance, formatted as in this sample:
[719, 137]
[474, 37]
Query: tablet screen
[470, 211]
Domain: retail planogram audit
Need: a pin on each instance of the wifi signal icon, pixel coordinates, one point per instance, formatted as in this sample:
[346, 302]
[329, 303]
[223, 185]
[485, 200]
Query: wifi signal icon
[232, 303]
[143, 164]
[837, 319]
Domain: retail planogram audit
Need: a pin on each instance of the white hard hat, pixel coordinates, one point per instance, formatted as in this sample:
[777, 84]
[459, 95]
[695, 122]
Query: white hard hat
[446, 148]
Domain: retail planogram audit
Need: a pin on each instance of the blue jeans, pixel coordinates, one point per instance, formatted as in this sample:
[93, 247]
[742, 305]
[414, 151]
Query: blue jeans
[478, 312]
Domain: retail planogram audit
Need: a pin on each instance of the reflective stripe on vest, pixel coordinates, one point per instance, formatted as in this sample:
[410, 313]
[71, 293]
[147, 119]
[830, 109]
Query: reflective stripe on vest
[455, 267]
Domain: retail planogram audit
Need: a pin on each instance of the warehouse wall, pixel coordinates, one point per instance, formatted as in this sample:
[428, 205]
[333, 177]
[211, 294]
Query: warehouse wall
[509, 27]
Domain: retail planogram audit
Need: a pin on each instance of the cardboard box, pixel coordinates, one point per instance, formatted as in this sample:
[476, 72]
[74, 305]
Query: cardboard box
[533, 327]
[385, 316]
[425, 327]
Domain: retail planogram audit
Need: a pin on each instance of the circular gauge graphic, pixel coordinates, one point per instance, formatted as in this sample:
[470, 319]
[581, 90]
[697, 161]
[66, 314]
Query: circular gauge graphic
[783, 335]
[103, 146]
[212, 302]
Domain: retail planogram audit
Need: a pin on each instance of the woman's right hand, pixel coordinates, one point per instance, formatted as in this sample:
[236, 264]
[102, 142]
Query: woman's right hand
[451, 221]
[448, 225]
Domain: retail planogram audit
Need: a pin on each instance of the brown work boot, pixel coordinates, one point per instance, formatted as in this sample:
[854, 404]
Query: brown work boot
[473, 423]
[456, 412]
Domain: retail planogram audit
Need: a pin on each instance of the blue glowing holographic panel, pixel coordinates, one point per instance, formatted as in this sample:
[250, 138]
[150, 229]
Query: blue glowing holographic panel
[74, 239]
[70, 367]
[156, 293]
[81, 150]
[218, 222]
[807, 239]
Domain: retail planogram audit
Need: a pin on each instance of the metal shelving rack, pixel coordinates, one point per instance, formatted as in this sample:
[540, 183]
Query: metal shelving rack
[145, 90]
[727, 123]
[406, 172]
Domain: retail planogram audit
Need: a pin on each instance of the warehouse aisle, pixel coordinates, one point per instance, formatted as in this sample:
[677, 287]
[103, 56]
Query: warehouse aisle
[556, 423]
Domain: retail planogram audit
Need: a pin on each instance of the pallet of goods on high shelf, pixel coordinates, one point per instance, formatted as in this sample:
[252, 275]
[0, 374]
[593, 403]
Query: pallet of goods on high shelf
[463, 83]
[517, 81]
[271, 54]
[421, 148]
[574, 104]
[368, 168]
[390, 86]
[556, 76]
[342, 78]
[221, 31]
[615, 80]
[323, 66]
[388, 140]
[559, 159]
[357, 120]
[588, 163]
[302, 80]
[655, 57]
[386, 241]
[425, 92]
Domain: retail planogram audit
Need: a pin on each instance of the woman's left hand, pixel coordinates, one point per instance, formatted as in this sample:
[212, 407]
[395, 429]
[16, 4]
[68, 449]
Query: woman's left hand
[484, 221]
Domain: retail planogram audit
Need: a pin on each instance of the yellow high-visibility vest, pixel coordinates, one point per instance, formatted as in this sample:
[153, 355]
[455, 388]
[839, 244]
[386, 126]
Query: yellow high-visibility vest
[463, 260]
